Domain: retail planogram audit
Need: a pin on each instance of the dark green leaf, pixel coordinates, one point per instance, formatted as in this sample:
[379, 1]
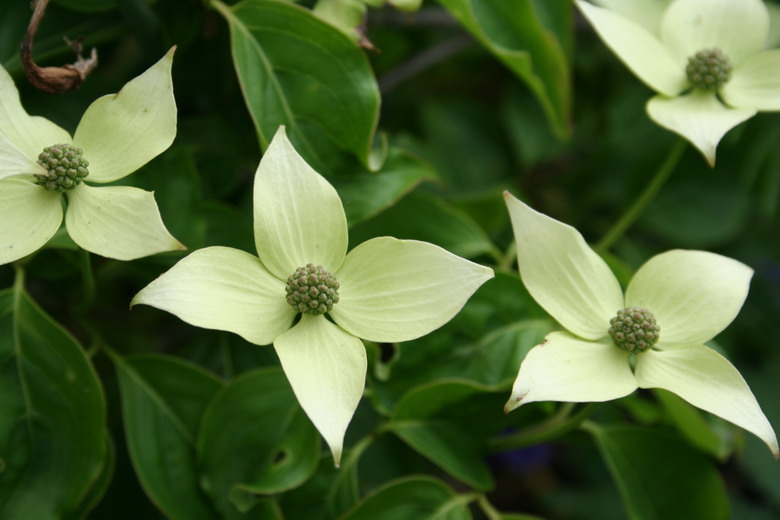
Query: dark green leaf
[418, 498]
[255, 440]
[660, 476]
[52, 415]
[163, 399]
[512, 30]
[299, 71]
[694, 426]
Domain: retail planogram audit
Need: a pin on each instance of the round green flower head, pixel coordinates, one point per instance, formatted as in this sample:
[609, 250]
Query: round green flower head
[709, 69]
[312, 289]
[65, 167]
[634, 329]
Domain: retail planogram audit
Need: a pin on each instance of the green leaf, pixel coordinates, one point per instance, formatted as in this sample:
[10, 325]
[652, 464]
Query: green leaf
[52, 414]
[434, 420]
[418, 498]
[255, 440]
[299, 71]
[512, 30]
[163, 399]
[694, 426]
[421, 216]
[368, 193]
[100, 486]
[659, 476]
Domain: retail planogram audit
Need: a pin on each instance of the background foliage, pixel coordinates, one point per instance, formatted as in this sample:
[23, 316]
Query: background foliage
[420, 121]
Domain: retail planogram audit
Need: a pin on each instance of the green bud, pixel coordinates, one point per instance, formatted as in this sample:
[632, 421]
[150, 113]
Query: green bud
[709, 69]
[65, 167]
[634, 329]
[312, 289]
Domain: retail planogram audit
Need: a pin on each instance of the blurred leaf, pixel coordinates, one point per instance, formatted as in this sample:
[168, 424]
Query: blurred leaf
[368, 193]
[87, 6]
[512, 30]
[100, 486]
[659, 476]
[163, 399]
[422, 216]
[694, 426]
[255, 440]
[52, 415]
[299, 71]
[418, 498]
[434, 420]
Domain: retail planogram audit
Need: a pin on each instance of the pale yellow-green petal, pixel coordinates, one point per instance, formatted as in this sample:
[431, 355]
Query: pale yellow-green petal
[568, 369]
[739, 28]
[647, 13]
[755, 83]
[562, 273]
[773, 39]
[326, 368]
[397, 290]
[29, 217]
[31, 134]
[699, 117]
[708, 381]
[121, 132]
[299, 218]
[639, 49]
[14, 161]
[118, 222]
[693, 295]
[222, 288]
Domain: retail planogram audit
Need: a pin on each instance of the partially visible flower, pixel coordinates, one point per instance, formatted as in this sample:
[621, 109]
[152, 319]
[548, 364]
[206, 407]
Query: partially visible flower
[40, 164]
[675, 302]
[384, 290]
[705, 58]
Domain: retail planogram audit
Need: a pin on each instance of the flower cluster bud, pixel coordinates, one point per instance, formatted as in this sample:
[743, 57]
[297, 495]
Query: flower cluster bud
[708, 69]
[312, 289]
[634, 329]
[65, 167]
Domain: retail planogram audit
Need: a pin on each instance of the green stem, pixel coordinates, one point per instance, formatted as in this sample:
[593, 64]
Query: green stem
[649, 193]
[554, 427]
[491, 512]
[88, 281]
[508, 258]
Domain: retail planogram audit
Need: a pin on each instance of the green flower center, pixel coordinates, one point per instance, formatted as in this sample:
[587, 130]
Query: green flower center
[709, 69]
[634, 329]
[65, 167]
[312, 289]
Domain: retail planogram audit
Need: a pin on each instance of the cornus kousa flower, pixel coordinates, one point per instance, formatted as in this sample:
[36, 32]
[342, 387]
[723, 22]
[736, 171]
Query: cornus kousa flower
[651, 337]
[42, 168]
[705, 58]
[384, 290]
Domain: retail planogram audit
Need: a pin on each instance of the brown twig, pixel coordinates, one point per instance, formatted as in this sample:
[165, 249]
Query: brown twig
[54, 80]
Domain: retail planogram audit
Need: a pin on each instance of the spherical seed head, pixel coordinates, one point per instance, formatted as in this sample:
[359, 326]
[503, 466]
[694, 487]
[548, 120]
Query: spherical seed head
[312, 289]
[709, 69]
[65, 167]
[634, 329]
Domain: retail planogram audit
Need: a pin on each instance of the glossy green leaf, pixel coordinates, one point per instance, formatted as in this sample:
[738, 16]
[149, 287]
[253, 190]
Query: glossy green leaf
[418, 498]
[433, 420]
[659, 476]
[421, 216]
[52, 414]
[512, 30]
[163, 399]
[299, 71]
[255, 440]
[368, 193]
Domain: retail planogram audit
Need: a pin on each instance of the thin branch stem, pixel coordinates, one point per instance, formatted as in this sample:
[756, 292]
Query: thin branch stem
[554, 427]
[647, 196]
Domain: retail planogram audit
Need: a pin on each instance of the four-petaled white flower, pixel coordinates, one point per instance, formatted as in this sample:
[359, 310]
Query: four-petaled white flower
[384, 290]
[705, 58]
[690, 295]
[40, 163]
